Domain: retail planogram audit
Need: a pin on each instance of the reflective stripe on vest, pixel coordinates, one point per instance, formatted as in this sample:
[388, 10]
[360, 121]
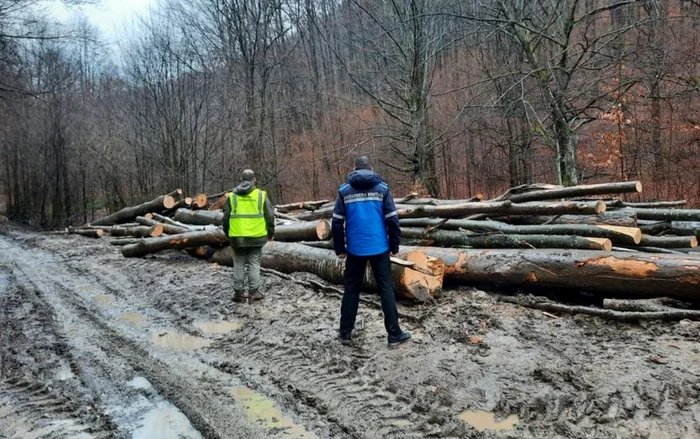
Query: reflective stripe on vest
[247, 219]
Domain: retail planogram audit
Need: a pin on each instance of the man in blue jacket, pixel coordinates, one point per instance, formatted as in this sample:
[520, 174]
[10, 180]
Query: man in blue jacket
[366, 229]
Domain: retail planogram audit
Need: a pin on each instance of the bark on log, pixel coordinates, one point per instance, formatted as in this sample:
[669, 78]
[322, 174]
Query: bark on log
[622, 218]
[88, 233]
[199, 217]
[584, 190]
[167, 228]
[631, 275]
[304, 231]
[292, 257]
[668, 214]
[619, 235]
[128, 214]
[175, 242]
[139, 231]
[436, 201]
[503, 208]
[669, 241]
[302, 205]
[656, 204]
[124, 241]
[455, 238]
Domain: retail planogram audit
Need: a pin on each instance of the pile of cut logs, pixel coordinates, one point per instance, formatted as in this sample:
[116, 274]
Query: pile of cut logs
[585, 238]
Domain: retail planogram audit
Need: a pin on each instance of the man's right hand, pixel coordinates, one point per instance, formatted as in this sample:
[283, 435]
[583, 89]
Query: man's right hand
[342, 256]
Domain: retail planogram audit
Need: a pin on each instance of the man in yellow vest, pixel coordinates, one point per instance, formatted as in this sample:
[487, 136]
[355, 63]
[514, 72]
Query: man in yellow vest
[249, 222]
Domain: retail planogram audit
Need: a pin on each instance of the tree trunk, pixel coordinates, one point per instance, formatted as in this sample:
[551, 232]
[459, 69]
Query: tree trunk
[669, 241]
[304, 231]
[303, 205]
[175, 242]
[138, 231]
[454, 238]
[199, 217]
[492, 209]
[620, 235]
[292, 257]
[89, 233]
[164, 202]
[631, 275]
[584, 190]
[622, 218]
[167, 228]
[668, 214]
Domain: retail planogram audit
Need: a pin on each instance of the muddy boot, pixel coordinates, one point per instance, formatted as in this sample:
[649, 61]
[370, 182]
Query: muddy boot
[255, 296]
[238, 297]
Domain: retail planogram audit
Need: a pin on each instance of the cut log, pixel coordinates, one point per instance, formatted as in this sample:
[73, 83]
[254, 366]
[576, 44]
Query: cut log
[437, 201]
[455, 238]
[292, 257]
[138, 231]
[622, 217]
[167, 228]
[656, 204]
[669, 241]
[304, 231]
[303, 205]
[685, 228]
[88, 233]
[622, 235]
[128, 214]
[584, 190]
[175, 242]
[199, 217]
[124, 241]
[220, 202]
[200, 201]
[668, 214]
[503, 208]
[631, 275]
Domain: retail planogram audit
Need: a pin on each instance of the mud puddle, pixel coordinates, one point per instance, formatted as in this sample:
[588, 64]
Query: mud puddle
[483, 421]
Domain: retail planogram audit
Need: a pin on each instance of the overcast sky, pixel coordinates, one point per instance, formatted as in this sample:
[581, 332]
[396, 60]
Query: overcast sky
[110, 16]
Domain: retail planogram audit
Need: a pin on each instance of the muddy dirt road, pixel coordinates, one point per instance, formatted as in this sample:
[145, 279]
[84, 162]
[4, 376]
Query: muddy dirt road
[93, 345]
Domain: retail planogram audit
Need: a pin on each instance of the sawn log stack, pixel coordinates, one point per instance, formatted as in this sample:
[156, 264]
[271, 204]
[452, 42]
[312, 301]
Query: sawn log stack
[600, 238]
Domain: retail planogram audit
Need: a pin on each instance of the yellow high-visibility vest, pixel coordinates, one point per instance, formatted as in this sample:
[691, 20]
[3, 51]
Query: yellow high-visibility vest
[247, 219]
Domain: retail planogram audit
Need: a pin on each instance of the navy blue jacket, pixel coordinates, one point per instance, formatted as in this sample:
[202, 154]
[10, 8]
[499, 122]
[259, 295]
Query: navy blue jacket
[364, 219]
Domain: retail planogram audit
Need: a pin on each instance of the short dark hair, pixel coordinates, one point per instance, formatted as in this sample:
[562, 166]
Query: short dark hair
[362, 162]
[247, 175]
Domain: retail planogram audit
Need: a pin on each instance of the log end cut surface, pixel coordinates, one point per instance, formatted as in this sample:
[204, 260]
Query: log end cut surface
[169, 202]
[424, 282]
[323, 230]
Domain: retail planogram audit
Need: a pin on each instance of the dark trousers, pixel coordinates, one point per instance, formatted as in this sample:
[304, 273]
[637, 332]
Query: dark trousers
[354, 274]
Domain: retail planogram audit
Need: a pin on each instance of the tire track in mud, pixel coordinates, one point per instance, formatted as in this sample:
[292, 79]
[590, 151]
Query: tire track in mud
[33, 353]
[210, 409]
[31, 410]
[359, 405]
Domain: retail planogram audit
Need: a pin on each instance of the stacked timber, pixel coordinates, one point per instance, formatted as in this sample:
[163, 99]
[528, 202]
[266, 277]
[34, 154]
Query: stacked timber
[586, 237]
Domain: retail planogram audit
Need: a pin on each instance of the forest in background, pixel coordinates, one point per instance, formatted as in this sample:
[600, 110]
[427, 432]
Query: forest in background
[450, 97]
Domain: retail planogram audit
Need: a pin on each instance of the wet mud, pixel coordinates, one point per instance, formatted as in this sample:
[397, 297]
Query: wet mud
[93, 345]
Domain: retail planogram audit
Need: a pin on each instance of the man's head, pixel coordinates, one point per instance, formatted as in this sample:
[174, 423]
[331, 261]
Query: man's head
[248, 175]
[362, 162]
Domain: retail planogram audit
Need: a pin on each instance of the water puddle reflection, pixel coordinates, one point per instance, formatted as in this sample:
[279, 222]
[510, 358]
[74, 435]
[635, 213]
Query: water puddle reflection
[180, 342]
[263, 411]
[220, 327]
[483, 421]
[132, 318]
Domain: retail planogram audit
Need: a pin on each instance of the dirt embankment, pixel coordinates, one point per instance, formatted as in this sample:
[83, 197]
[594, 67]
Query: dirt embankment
[95, 345]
